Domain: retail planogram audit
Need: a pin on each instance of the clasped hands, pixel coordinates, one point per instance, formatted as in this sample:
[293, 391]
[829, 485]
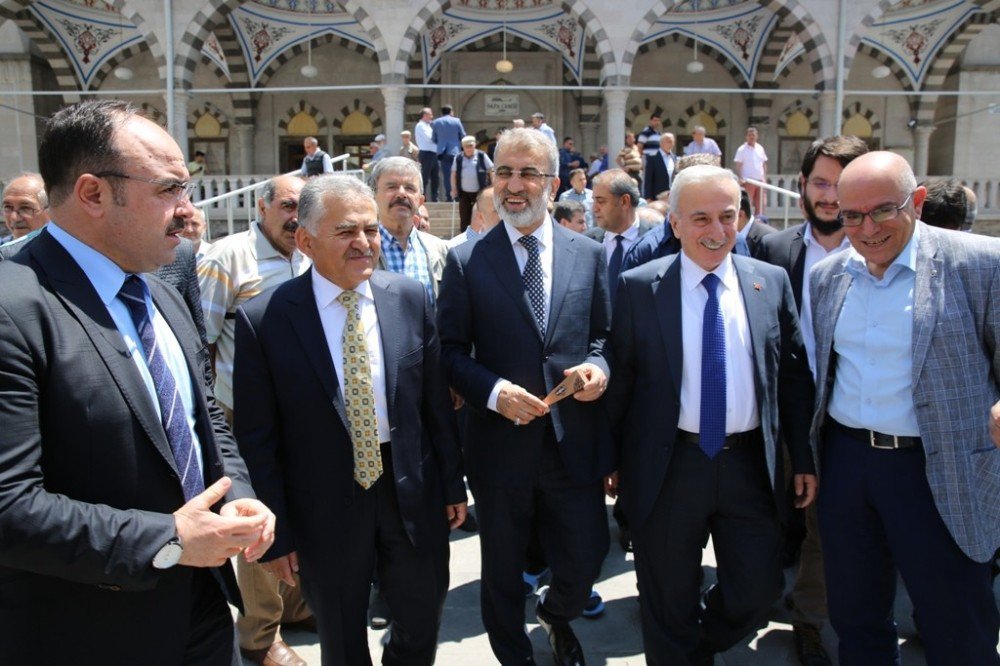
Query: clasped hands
[519, 406]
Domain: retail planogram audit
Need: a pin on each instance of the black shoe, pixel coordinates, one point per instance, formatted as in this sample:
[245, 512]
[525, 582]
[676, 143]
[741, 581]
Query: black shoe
[379, 616]
[566, 648]
[625, 538]
[809, 646]
[470, 524]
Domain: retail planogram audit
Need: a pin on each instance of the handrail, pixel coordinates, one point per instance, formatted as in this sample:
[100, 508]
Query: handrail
[788, 194]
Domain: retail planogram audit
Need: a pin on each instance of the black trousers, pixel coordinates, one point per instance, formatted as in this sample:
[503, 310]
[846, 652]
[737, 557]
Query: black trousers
[429, 171]
[573, 529]
[446, 163]
[729, 497]
[466, 200]
[413, 581]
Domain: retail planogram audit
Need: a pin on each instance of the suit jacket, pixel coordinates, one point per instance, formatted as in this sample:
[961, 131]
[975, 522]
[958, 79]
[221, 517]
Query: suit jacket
[447, 132]
[786, 249]
[292, 427]
[655, 178]
[87, 479]
[597, 234]
[646, 354]
[758, 231]
[956, 366]
[488, 333]
[660, 242]
[437, 253]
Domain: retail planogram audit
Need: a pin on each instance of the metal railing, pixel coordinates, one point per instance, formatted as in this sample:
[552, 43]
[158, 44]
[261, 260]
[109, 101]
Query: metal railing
[234, 197]
[785, 195]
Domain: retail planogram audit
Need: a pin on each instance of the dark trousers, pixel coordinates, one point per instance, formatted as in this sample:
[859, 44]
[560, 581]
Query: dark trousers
[573, 529]
[413, 582]
[446, 162]
[877, 515]
[429, 171]
[212, 641]
[729, 497]
[466, 200]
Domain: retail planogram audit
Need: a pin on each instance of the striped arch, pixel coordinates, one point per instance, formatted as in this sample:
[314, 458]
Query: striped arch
[112, 63]
[790, 12]
[645, 108]
[298, 108]
[300, 48]
[207, 109]
[239, 75]
[703, 50]
[698, 107]
[362, 107]
[858, 109]
[807, 111]
[149, 111]
[409, 48]
[883, 58]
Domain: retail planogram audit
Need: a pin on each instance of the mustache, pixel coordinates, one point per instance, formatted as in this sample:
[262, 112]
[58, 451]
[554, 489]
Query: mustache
[290, 226]
[357, 254]
[402, 201]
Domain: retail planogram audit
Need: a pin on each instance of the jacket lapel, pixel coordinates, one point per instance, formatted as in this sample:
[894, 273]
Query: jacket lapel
[928, 299]
[752, 288]
[390, 327]
[563, 265]
[667, 300]
[500, 256]
[797, 260]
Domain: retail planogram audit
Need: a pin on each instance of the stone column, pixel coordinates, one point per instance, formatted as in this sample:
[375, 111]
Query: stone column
[615, 100]
[589, 139]
[244, 142]
[395, 104]
[921, 148]
[179, 130]
[829, 114]
[18, 141]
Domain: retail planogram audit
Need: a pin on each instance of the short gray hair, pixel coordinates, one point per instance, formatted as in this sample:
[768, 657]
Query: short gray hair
[523, 138]
[619, 183]
[396, 164]
[698, 128]
[697, 175]
[36, 178]
[311, 207]
[271, 186]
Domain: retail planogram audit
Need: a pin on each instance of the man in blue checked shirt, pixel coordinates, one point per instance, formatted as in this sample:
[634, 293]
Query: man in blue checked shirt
[399, 193]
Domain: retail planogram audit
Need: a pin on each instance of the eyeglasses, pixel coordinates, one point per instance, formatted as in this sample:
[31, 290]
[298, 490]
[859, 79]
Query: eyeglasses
[821, 185]
[23, 211]
[179, 190]
[854, 218]
[529, 175]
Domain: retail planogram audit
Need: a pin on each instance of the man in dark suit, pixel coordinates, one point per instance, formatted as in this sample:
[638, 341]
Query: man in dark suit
[113, 546]
[709, 373]
[521, 308]
[749, 230]
[797, 249]
[447, 132]
[659, 170]
[343, 406]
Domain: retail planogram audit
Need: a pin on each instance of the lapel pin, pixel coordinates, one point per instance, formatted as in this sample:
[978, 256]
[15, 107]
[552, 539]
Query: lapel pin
[756, 286]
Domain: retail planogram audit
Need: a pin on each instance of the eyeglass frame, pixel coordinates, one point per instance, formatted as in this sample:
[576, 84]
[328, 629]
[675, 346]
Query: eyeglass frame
[186, 188]
[885, 208]
[822, 185]
[530, 177]
[20, 210]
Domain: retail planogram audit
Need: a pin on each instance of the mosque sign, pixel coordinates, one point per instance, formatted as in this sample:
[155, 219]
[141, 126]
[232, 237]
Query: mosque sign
[503, 104]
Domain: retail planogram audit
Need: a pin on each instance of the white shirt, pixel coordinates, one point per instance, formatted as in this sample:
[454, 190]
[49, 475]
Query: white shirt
[668, 162]
[752, 160]
[741, 398]
[423, 136]
[545, 255]
[333, 317]
[814, 252]
[629, 238]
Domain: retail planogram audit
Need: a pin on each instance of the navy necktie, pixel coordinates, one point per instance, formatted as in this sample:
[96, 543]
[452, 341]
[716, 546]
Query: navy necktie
[533, 284]
[615, 263]
[712, 431]
[172, 416]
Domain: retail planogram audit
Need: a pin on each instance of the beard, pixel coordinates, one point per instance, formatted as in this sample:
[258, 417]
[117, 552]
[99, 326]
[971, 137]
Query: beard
[823, 227]
[533, 212]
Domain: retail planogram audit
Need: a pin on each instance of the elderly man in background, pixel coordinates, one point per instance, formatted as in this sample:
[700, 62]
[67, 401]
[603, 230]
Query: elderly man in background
[702, 144]
[316, 161]
[484, 218]
[25, 206]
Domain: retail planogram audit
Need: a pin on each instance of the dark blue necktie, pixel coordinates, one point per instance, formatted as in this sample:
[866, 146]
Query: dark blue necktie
[615, 263]
[133, 294]
[533, 284]
[712, 430]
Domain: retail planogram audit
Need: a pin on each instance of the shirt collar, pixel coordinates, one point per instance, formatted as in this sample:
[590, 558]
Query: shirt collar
[326, 292]
[810, 239]
[692, 274]
[262, 247]
[388, 238]
[106, 276]
[543, 233]
[631, 234]
[906, 259]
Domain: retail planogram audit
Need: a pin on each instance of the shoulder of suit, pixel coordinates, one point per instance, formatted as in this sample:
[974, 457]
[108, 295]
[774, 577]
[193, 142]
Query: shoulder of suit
[649, 271]
[781, 236]
[397, 282]
[433, 242]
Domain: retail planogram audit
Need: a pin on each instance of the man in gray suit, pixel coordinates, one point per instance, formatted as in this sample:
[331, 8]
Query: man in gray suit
[911, 479]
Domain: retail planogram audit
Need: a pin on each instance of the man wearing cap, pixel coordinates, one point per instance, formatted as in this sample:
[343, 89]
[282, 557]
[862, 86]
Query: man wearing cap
[472, 173]
[408, 149]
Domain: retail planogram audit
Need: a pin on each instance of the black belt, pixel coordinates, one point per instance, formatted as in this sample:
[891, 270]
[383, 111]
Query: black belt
[877, 440]
[731, 441]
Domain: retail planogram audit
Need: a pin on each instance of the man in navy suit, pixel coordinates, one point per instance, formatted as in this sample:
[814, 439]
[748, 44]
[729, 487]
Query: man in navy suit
[660, 167]
[519, 309]
[710, 374]
[346, 424]
[447, 132]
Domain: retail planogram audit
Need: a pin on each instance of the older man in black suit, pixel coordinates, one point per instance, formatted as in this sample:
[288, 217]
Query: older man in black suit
[346, 424]
[709, 373]
[113, 546]
[520, 309]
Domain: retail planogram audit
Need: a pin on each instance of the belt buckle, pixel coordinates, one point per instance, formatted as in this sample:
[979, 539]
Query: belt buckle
[875, 445]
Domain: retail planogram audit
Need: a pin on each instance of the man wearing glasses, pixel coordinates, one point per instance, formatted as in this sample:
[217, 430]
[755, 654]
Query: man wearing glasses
[25, 206]
[519, 310]
[907, 324]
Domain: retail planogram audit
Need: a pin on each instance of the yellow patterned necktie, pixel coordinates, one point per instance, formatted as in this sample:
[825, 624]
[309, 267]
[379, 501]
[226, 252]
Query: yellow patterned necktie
[359, 395]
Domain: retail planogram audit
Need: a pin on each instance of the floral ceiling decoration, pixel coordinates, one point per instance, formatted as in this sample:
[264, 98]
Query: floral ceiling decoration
[737, 30]
[911, 33]
[793, 49]
[536, 22]
[213, 51]
[266, 32]
[88, 35]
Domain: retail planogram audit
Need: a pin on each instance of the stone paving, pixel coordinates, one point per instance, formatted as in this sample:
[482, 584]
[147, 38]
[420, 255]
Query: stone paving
[613, 639]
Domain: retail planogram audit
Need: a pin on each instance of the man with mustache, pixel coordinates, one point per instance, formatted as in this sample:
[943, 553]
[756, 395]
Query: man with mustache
[25, 206]
[405, 249]
[347, 425]
[234, 270]
[521, 308]
[797, 249]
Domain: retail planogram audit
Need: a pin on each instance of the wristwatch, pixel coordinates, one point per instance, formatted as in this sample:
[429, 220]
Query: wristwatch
[169, 555]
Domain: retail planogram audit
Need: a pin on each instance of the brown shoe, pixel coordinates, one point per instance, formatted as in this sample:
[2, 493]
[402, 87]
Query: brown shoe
[279, 654]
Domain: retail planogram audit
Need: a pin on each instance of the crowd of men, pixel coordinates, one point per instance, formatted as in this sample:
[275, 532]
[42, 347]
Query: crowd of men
[315, 412]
